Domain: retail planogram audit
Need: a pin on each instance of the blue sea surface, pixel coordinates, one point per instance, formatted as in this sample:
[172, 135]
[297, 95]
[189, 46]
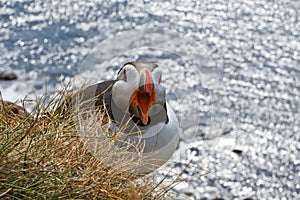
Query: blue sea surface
[232, 70]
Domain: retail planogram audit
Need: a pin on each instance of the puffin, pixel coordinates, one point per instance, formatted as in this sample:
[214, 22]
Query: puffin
[134, 106]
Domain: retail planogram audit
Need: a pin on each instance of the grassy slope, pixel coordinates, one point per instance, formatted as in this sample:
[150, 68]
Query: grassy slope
[41, 156]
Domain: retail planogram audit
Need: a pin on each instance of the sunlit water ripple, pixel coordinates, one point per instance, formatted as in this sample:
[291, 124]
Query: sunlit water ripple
[249, 70]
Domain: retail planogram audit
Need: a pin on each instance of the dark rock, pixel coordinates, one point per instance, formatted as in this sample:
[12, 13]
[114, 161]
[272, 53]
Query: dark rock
[188, 194]
[195, 151]
[8, 76]
[237, 151]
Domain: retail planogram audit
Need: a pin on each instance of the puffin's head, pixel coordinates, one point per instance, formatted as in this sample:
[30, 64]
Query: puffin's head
[137, 89]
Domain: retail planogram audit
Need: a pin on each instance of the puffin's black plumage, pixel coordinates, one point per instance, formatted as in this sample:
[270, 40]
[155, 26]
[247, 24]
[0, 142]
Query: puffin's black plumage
[103, 96]
[97, 98]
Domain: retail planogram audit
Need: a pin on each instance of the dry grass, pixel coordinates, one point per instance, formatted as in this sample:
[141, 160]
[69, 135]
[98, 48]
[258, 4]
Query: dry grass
[42, 157]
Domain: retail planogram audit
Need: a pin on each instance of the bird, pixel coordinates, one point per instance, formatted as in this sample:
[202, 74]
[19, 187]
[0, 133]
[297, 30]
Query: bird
[135, 104]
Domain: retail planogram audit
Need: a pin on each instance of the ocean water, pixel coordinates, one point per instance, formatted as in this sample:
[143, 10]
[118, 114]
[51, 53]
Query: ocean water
[232, 71]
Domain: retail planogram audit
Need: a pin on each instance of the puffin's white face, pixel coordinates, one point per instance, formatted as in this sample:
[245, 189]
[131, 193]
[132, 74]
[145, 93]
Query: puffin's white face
[135, 90]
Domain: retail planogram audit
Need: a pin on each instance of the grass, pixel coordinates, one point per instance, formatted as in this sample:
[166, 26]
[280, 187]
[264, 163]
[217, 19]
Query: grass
[43, 157]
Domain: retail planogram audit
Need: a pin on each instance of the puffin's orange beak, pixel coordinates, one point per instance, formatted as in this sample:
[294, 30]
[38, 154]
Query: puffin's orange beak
[144, 96]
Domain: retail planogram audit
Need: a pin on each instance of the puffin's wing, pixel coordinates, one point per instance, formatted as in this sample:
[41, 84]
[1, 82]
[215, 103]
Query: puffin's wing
[103, 94]
[97, 98]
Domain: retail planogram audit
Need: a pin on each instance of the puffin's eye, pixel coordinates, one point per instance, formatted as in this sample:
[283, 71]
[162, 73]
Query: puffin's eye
[157, 74]
[159, 80]
[125, 76]
[122, 75]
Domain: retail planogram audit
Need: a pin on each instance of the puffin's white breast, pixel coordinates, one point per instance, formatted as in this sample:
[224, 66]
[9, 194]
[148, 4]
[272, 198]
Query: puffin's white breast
[158, 142]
